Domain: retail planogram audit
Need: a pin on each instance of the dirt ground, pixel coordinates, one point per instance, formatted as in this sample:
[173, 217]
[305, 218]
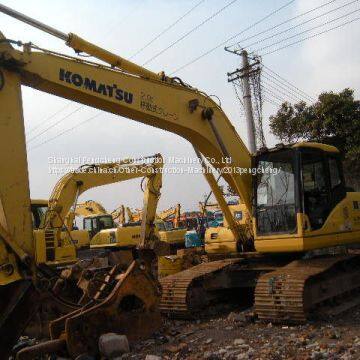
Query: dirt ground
[238, 336]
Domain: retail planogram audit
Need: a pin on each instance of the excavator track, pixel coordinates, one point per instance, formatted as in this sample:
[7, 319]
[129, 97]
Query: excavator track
[190, 293]
[181, 296]
[308, 288]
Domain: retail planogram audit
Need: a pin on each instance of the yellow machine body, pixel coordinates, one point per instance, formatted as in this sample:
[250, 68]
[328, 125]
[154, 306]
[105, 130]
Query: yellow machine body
[173, 237]
[221, 239]
[341, 227]
[52, 250]
[127, 236]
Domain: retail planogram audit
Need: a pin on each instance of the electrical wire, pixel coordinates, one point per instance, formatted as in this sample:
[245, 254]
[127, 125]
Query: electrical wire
[287, 82]
[276, 88]
[166, 29]
[284, 85]
[280, 24]
[66, 131]
[308, 30]
[302, 23]
[273, 95]
[56, 123]
[190, 32]
[312, 36]
[232, 37]
[46, 120]
[266, 99]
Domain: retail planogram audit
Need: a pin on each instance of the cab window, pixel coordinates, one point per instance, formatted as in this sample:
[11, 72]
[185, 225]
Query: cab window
[338, 191]
[334, 173]
[315, 188]
[87, 224]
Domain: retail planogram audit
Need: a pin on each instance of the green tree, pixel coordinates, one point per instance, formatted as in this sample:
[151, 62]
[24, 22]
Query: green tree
[334, 119]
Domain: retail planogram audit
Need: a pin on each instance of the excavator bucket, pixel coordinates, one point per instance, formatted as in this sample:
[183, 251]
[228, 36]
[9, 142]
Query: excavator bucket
[131, 308]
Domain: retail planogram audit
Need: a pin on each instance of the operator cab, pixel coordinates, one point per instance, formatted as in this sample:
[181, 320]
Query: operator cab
[96, 223]
[38, 210]
[303, 178]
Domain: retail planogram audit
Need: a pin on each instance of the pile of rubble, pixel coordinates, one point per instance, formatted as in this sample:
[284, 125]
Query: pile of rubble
[239, 336]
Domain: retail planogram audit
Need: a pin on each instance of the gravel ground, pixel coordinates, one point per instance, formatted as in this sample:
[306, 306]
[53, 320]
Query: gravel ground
[238, 336]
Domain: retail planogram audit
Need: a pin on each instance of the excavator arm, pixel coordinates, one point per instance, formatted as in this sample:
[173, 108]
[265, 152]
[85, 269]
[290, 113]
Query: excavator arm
[163, 215]
[119, 214]
[169, 105]
[68, 189]
[88, 208]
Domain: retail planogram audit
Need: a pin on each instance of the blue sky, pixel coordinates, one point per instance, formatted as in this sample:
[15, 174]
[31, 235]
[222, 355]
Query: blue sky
[327, 62]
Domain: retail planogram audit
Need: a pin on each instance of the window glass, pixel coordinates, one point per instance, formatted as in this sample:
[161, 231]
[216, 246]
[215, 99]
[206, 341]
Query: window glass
[314, 177]
[316, 192]
[334, 173]
[87, 224]
[106, 222]
[275, 202]
[277, 186]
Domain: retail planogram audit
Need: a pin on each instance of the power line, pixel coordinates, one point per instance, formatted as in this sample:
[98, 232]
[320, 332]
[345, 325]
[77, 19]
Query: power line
[312, 36]
[302, 23]
[56, 123]
[284, 84]
[65, 131]
[276, 86]
[231, 38]
[276, 89]
[287, 82]
[275, 96]
[190, 32]
[166, 29]
[271, 101]
[48, 118]
[282, 23]
[306, 31]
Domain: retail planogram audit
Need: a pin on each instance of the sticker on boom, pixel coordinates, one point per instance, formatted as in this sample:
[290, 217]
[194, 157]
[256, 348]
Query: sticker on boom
[112, 91]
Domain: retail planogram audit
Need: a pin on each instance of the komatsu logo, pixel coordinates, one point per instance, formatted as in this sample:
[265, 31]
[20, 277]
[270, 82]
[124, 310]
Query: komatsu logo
[112, 91]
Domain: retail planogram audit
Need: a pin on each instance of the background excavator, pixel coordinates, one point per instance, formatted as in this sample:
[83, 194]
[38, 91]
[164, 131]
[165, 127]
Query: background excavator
[167, 224]
[301, 210]
[215, 243]
[98, 230]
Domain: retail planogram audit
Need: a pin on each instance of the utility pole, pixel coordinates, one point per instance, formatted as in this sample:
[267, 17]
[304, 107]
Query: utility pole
[243, 75]
[247, 102]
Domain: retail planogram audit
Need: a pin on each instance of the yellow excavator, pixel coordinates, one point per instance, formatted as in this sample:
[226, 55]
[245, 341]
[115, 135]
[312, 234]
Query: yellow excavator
[99, 230]
[303, 216]
[168, 233]
[218, 239]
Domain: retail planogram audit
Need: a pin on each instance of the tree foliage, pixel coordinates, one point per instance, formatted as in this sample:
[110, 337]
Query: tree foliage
[333, 119]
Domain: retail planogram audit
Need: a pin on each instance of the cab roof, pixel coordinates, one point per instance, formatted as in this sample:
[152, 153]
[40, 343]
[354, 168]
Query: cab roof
[315, 145]
[302, 144]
